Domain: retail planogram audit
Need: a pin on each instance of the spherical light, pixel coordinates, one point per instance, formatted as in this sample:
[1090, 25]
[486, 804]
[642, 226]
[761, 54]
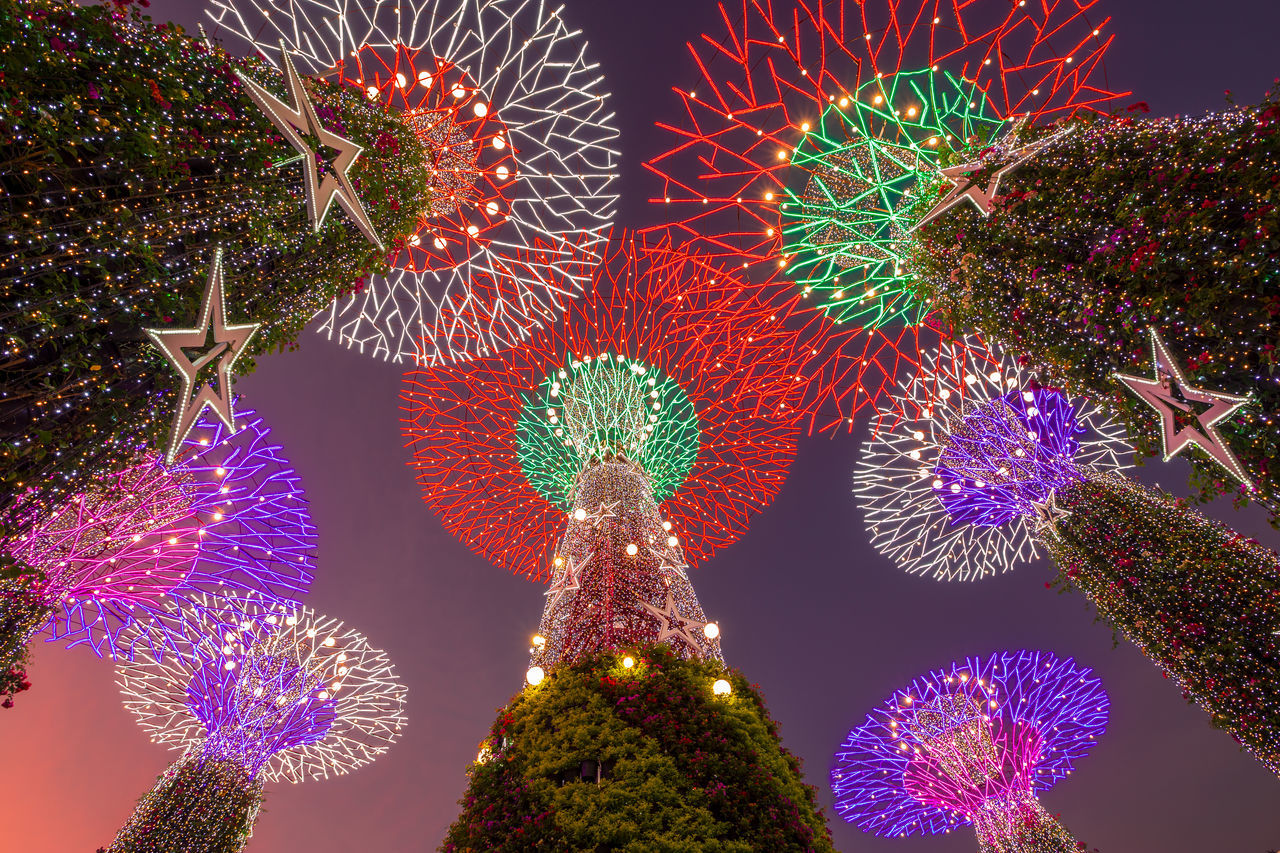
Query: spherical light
[711, 630]
[632, 549]
[539, 641]
[535, 675]
[722, 687]
[628, 662]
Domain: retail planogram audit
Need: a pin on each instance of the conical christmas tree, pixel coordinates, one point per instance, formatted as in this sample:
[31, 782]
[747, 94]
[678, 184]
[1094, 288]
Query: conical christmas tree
[1131, 261]
[135, 160]
[661, 405]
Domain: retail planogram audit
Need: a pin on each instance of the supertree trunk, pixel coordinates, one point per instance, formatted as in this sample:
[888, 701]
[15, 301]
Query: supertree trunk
[1199, 599]
[1020, 826]
[129, 152]
[617, 568]
[1123, 226]
[200, 805]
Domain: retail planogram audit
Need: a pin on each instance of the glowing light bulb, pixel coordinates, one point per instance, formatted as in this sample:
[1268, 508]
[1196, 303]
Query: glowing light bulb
[721, 687]
[535, 675]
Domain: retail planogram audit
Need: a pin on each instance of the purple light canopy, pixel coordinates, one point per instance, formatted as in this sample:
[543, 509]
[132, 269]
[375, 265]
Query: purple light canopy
[1006, 453]
[259, 707]
[969, 744]
[228, 518]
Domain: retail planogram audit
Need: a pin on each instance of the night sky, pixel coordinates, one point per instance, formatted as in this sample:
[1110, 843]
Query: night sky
[810, 612]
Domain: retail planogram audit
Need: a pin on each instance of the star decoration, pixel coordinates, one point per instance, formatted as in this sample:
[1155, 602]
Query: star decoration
[963, 186]
[674, 625]
[295, 121]
[228, 343]
[1047, 514]
[668, 566]
[570, 579]
[1170, 391]
[604, 513]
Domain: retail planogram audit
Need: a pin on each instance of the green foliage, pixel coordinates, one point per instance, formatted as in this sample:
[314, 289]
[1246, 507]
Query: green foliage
[22, 613]
[681, 768]
[200, 805]
[1198, 599]
[128, 151]
[1130, 223]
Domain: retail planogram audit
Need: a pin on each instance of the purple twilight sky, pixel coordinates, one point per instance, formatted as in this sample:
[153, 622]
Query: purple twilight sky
[810, 612]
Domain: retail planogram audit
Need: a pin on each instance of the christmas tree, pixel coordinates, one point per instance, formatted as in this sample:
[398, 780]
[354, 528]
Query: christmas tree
[132, 152]
[637, 749]
[1125, 227]
[974, 487]
[604, 455]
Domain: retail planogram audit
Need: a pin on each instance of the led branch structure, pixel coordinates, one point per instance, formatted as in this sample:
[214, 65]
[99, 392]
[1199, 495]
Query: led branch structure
[973, 744]
[819, 134]
[610, 451]
[515, 118]
[282, 697]
[228, 517]
[977, 485]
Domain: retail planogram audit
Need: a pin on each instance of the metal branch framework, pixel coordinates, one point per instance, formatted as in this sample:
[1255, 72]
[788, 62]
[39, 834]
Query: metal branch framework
[493, 455]
[813, 135]
[228, 517]
[972, 743]
[286, 694]
[514, 113]
[958, 492]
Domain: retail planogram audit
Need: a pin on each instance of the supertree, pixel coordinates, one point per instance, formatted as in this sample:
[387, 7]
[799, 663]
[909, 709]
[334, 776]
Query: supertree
[973, 488]
[130, 154]
[973, 744]
[604, 455]
[814, 138]
[228, 518]
[516, 118]
[284, 696]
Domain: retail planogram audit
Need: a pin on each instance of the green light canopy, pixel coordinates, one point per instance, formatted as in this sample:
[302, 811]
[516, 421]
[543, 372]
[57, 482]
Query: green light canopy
[862, 172]
[605, 406]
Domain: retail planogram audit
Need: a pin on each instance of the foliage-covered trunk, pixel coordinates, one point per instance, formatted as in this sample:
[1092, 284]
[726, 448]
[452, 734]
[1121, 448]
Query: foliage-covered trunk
[128, 152]
[602, 756]
[1125, 224]
[1200, 600]
[200, 805]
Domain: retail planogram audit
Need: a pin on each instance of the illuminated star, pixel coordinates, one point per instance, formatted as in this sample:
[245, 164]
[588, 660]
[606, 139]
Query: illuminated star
[217, 342]
[295, 121]
[605, 512]
[675, 625]
[1168, 391]
[570, 579]
[964, 187]
[666, 565]
[1048, 514]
